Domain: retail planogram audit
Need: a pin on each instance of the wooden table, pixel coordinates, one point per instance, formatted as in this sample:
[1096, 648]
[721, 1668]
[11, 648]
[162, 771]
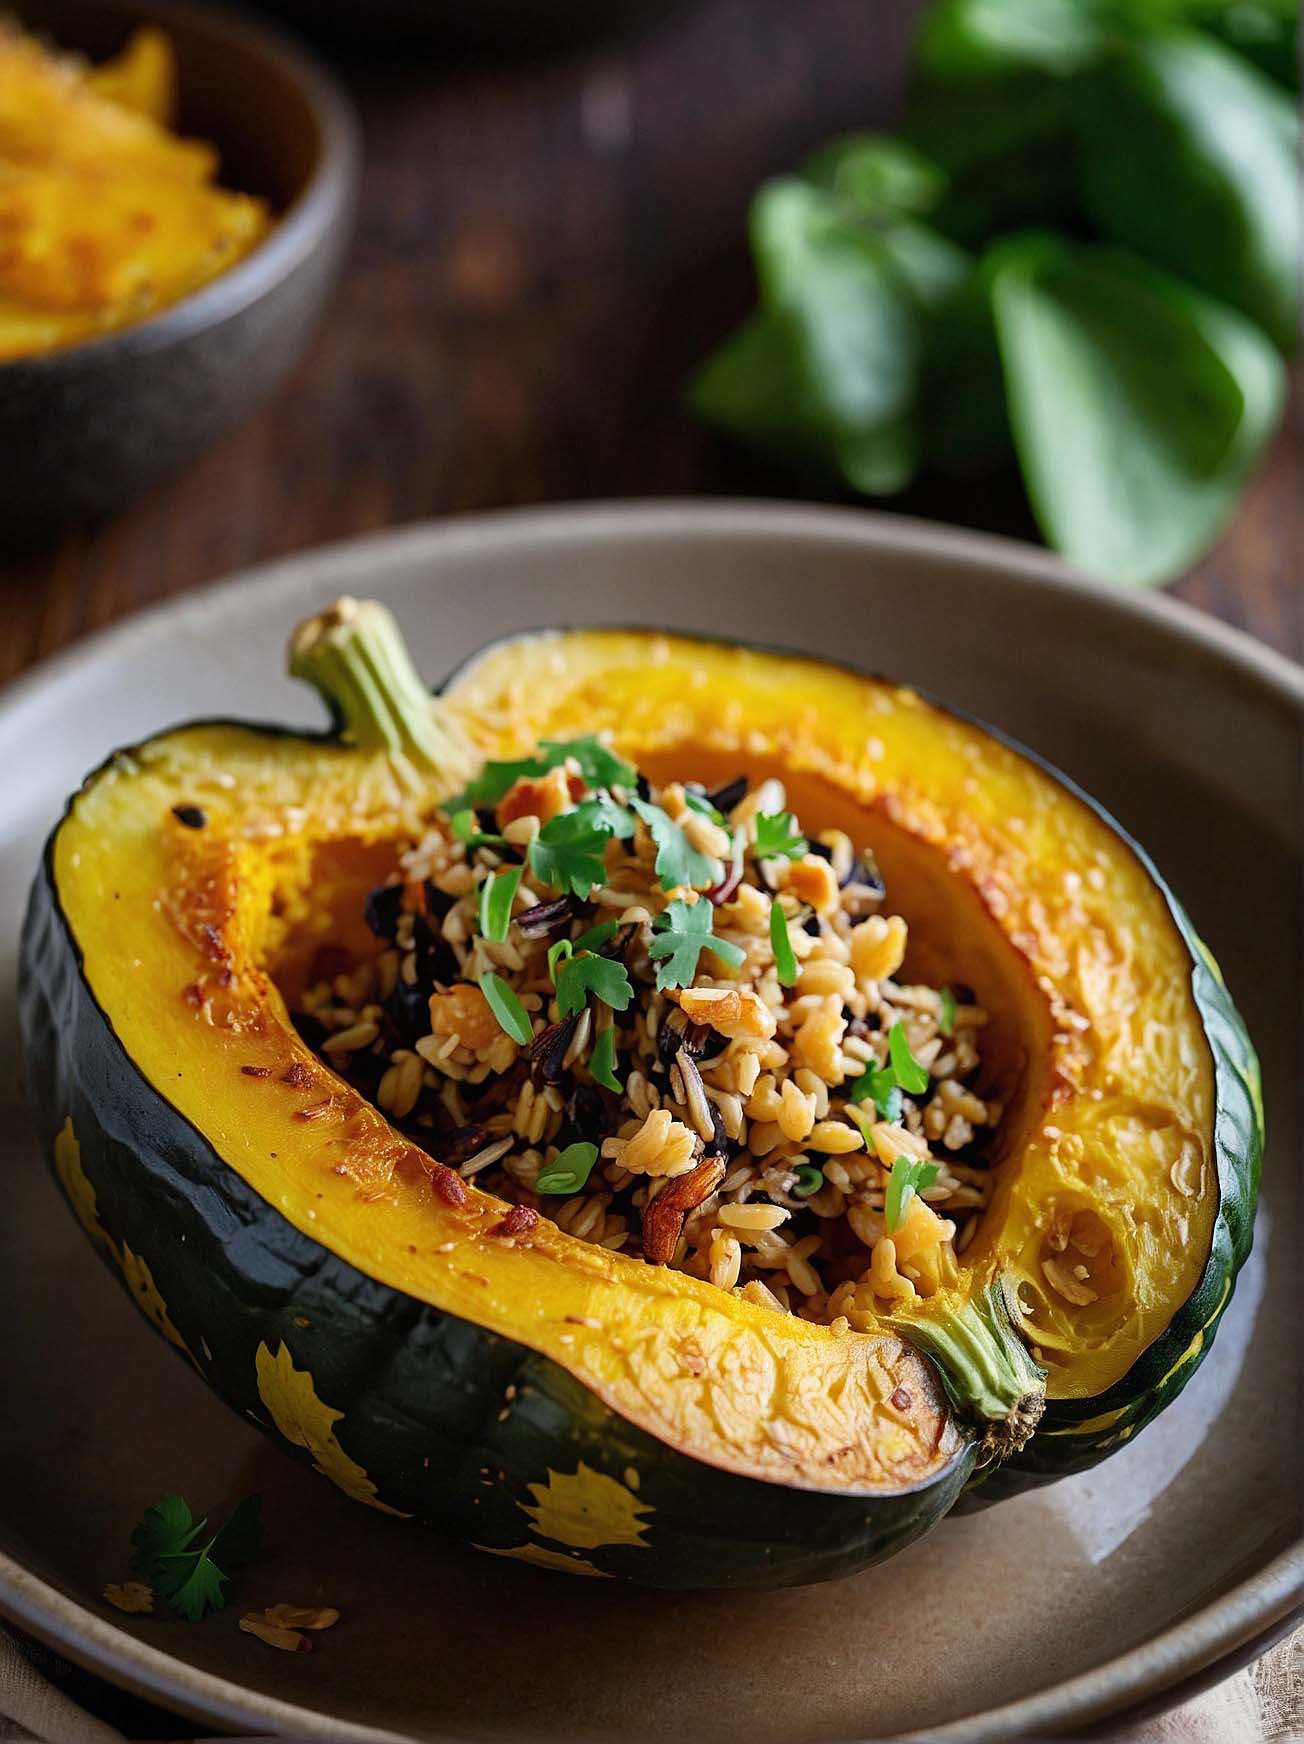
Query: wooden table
[545, 249]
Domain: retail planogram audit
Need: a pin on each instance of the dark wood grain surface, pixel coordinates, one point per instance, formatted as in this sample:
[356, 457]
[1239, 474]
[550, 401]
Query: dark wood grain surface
[545, 248]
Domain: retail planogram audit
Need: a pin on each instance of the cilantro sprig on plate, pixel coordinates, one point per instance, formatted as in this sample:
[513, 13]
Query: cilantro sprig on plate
[683, 932]
[191, 1576]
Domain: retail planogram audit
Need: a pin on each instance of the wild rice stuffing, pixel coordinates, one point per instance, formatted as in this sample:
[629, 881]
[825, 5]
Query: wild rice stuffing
[670, 1023]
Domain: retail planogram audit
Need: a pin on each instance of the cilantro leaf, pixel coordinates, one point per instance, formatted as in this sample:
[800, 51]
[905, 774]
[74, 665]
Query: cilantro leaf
[576, 977]
[602, 813]
[570, 1169]
[567, 854]
[785, 961]
[777, 833]
[497, 894]
[166, 1529]
[190, 1579]
[598, 763]
[602, 1061]
[878, 1084]
[192, 1585]
[683, 931]
[909, 1176]
[946, 1021]
[910, 1075]
[678, 861]
[506, 1007]
[599, 766]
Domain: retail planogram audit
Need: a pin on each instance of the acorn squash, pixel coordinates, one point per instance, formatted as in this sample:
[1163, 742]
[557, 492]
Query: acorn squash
[528, 1392]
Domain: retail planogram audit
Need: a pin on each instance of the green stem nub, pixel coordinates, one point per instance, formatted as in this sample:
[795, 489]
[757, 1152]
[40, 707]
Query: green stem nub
[355, 656]
[986, 1368]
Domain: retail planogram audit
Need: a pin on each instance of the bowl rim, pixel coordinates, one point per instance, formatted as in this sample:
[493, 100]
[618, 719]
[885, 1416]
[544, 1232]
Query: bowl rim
[297, 233]
[1206, 1644]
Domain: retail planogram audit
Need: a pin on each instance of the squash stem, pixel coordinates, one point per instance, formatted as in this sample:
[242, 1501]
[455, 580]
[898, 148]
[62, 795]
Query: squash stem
[986, 1368]
[355, 656]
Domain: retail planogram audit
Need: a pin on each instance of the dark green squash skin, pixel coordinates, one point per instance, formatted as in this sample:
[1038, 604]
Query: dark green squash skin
[424, 1394]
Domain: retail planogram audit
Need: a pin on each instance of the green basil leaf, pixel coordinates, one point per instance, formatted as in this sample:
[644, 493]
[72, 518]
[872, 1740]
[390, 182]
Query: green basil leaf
[1191, 157]
[946, 1020]
[1139, 406]
[877, 174]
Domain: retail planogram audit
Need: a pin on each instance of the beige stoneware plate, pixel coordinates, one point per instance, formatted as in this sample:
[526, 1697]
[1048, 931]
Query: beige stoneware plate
[1041, 1615]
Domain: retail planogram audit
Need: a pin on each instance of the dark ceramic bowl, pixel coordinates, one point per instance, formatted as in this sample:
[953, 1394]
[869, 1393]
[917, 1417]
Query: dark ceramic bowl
[85, 428]
[489, 27]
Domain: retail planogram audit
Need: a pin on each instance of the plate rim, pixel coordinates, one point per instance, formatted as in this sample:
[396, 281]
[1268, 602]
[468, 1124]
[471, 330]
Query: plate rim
[1154, 1670]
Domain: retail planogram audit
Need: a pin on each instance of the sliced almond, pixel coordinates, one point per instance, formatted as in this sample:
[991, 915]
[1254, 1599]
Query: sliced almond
[275, 1634]
[303, 1616]
[131, 1596]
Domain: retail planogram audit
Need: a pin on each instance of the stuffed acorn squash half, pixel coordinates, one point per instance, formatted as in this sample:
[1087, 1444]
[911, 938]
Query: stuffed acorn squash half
[658, 1110]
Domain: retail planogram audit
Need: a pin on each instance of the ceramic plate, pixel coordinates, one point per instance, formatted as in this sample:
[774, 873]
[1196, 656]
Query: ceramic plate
[1044, 1613]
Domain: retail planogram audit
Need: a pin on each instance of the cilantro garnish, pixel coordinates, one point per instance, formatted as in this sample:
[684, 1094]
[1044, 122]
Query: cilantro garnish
[602, 1061]
[946, 1022]
[569, 1169]
[678, 861]
[599, 766]
[188, 1576]
[809, 1180]
[909, 1176]
[576, 977]
[884, 1084]
[682, 931]
[466, 827]
[506, 1007]
[784, 960]
[910, 1075]
[497, 894]
[777, 833]
[878, 1085]
[567, 854]
[602, 813]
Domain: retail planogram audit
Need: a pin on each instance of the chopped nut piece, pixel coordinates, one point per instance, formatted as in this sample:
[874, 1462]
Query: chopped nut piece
[131, 1596]
[303, 1616]
[275, 1634]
